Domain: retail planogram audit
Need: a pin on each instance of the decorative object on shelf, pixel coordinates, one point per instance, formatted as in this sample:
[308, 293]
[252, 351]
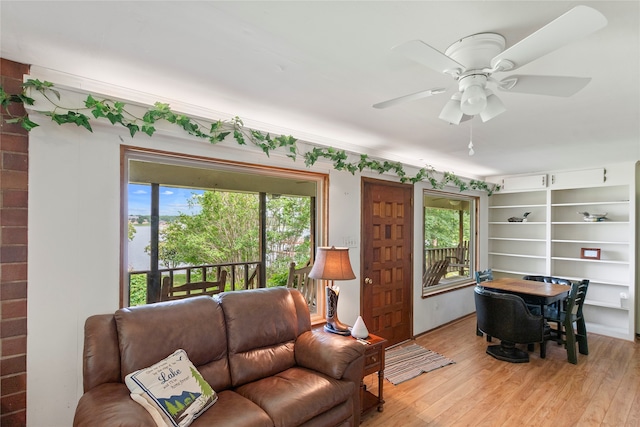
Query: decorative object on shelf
[333, 264]
[593, 217]
[624, 300]
[523, 218]
[359, 329]
[589, 253]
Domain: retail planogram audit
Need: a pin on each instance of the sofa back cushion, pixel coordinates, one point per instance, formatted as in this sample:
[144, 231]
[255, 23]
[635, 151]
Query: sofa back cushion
[149, 333]
[262, 326]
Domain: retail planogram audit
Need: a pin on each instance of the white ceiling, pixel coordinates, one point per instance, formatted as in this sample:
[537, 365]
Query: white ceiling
[315, 69]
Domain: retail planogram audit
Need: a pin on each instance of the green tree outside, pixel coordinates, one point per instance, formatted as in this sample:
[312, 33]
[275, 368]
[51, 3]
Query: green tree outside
[131, 232]
[441, 228]
[288, 236]
[226, 229]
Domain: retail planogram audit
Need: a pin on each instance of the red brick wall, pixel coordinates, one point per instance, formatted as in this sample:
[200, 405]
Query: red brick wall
[14, 179]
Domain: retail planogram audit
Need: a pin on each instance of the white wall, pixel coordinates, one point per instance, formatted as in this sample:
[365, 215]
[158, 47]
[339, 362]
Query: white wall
[73, 260]
[74, 244]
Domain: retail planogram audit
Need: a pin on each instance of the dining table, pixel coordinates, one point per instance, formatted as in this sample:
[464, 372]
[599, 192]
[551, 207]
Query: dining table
[533, 292]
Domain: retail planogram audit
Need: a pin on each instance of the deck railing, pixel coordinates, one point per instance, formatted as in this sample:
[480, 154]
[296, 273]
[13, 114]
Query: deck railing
[240, 275]
[452, 253]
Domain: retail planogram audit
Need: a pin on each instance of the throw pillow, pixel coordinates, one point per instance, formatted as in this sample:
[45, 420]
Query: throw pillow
[172, 390]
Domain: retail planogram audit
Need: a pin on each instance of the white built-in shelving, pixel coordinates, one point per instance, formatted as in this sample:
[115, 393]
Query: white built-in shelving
[551, 240]
[518, 248]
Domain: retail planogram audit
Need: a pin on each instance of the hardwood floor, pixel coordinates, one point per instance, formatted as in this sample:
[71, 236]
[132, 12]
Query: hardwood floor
[603, 389]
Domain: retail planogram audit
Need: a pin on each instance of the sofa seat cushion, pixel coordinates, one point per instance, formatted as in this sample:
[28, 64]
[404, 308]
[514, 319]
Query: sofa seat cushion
[233, 410]
[297, 395]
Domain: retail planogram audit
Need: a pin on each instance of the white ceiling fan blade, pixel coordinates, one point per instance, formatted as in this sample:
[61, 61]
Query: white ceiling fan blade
[407, 98]
[422, 53]
[544, 85]
[573, 25]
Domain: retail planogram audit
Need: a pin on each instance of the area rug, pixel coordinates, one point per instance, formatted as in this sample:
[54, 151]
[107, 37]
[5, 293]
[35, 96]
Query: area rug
[403, 363]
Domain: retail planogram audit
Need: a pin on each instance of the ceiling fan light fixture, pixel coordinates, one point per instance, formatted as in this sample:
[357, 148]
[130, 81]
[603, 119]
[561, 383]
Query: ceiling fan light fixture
[494, 107]
[474, 99]
[451, 113]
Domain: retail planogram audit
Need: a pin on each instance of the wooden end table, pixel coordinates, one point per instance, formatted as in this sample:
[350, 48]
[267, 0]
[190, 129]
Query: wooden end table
[373, 362]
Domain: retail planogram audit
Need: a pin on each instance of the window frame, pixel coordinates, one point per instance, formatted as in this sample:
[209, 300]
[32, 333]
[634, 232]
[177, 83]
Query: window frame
[129, 153]
[474, 204]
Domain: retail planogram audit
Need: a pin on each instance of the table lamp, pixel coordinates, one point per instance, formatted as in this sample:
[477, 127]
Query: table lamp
[332, 263]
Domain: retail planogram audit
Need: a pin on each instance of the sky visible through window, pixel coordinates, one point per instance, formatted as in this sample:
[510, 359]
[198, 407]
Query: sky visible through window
[173, 201]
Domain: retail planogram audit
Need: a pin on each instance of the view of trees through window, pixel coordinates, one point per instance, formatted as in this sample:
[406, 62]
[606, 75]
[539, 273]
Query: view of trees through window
[221, 227]
[448, 239]
[226, 229]
[442, 227]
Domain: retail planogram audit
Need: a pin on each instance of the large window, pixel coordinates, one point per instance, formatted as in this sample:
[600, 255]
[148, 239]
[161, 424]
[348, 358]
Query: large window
[449, 241]
[190, 220]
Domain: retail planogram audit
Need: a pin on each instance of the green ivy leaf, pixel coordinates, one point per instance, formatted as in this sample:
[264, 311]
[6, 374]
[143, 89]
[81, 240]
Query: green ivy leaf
[80, 120]
[42, 87]
[218, 137]
[26, 99]
[215, 126]
[239, 137]
[115, 112]
[148, 129]
[258, 135]
[28, 124]
[114, 118]
[133, 128]
[4, 98]
[90, 102]
[310, 157]
[149, 117]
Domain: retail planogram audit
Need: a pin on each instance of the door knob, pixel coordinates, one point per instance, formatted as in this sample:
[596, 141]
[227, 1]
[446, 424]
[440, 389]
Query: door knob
[368, 281]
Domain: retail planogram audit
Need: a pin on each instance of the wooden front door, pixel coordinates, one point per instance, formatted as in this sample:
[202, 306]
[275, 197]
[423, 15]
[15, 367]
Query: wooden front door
[387, 267]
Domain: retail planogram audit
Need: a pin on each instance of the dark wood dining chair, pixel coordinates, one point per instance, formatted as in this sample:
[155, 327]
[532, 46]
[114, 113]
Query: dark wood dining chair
[506, 317]
[566, 318]
[533, 305]
[483, 276]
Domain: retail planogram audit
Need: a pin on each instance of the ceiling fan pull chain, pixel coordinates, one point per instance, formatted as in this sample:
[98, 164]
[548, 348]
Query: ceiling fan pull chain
[471, 152]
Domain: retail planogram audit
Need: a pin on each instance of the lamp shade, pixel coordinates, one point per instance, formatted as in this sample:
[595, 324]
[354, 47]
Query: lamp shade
[332, 263]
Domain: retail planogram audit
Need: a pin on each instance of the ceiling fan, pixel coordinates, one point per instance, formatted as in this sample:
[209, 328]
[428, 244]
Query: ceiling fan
[473, 60]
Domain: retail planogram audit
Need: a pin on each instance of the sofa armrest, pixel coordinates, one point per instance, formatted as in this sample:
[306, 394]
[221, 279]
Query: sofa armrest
[109, 405]
[101, 354]
[327, 353]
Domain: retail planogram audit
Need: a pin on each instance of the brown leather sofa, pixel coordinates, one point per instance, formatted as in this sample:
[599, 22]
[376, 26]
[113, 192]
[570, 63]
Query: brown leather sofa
[255, 348]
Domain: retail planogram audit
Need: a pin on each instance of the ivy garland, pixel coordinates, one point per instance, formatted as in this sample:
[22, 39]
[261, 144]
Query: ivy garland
[117, 114]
